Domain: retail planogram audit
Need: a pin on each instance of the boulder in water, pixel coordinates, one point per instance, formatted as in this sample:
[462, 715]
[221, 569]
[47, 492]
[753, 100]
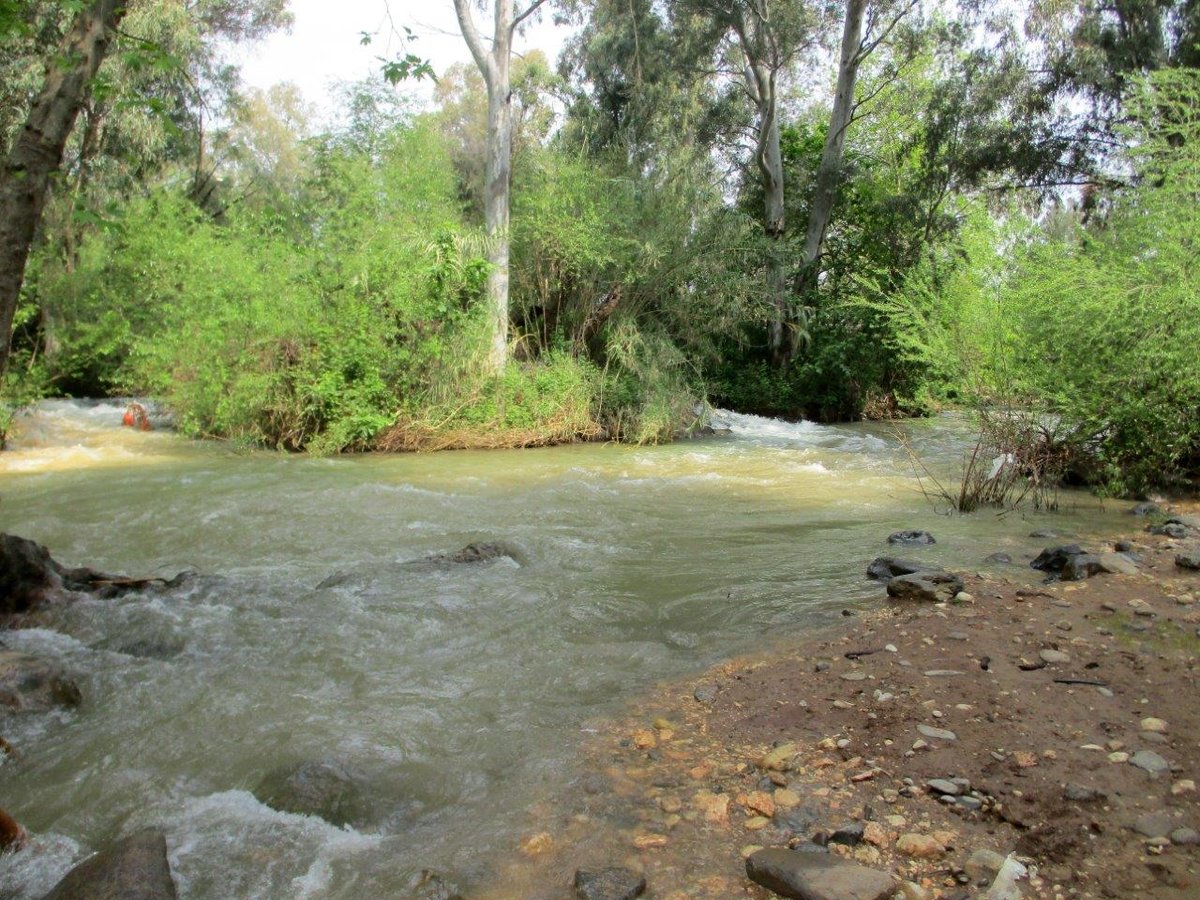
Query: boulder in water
[429, 885]
[12, 835]
[613, 883]
[930, 587]
[911, 537]
[27, 574]
[135, 868]
[320, 788]
[1052, 560]
[481, 552]
[31, 684]
[884, 568]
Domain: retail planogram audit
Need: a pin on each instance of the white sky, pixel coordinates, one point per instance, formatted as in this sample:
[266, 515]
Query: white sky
[324, 44]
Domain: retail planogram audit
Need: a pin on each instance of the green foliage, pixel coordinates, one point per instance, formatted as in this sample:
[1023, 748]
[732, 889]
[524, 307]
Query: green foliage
[1107, 320]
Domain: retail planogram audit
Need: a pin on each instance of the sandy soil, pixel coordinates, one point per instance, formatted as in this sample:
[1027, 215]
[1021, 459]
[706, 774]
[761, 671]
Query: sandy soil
[680, 790]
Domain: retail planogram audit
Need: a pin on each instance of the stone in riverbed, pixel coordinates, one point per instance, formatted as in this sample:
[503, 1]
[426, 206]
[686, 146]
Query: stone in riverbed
[813, 876]
[942, 786]
[920, 846]
[1185, 837]
[1081, 793]
[1001, 559]
[613, 883]
[32, 684]
[884, 568]
[1188, 560]
[320, 788]
[1053, 559]
[911, 537]
[939, 734]
[1146, 509]
[1054, 656]
[932, 587]
[705, 693]
[133, 869]
[429, 885]
[1172, 530]
[1150, 762]
[1154, 824]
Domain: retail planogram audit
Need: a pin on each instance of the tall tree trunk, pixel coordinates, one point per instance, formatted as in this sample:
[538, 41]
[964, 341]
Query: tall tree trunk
[829, 170]
[495, 65]
[37, 152]
[770, 165]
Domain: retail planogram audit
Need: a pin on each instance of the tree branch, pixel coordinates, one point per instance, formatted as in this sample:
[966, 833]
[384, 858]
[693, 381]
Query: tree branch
[466, 24]
[521, 17]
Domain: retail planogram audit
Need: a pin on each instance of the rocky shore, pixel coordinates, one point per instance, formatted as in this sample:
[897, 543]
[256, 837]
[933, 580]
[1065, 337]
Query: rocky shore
[973, 737]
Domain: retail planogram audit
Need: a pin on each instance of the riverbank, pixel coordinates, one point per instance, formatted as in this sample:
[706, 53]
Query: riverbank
[928, 742]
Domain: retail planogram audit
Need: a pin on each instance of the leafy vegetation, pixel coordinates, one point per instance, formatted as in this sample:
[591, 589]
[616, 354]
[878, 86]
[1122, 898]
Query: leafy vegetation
[326, 289]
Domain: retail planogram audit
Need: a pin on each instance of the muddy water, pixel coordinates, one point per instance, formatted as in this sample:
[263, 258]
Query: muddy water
[453, 693]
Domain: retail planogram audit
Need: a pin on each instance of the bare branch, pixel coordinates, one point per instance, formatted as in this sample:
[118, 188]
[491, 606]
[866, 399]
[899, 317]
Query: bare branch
[521, 17]
[466, 23]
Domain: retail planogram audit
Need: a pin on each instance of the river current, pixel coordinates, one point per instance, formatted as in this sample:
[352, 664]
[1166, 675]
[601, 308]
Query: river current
[455, 692]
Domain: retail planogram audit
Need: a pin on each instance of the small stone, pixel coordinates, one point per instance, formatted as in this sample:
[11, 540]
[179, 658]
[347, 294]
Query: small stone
[705, 693]
[1081, 793]
[537, 844]
[912, 891]
[982, 865]
[842, 704]
[1120, 756]
[970, 803]
[786, 799]
[854, 676]
[670, 804]
[1024, 759]
[1151, 724]
[850, 835]
[759, 801]
[919, 846]
[645, 739]
[1183, 786]
[943, 673]
[756, 823]
[779, 758]
[793, 873]
[1153, 824]
[891, 648]
[1185, 837]
[1054, 656]
[1150, 762]
[889, 795]
[608, 884]
[942, 786]
[939, 734]
[876, 835]
[650, 841]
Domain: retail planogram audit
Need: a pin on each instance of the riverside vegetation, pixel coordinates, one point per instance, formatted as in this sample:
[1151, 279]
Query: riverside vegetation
[1010, 228]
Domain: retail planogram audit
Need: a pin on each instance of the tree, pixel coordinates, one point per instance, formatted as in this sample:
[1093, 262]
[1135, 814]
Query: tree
[495, 66]
[37, 152]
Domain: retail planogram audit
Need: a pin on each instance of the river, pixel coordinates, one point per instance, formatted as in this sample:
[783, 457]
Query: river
[456, 693]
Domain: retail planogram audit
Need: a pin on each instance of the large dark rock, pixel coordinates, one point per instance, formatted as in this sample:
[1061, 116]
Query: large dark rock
[816, 876]
[930, 587]
[484, 551]
[1146, 509]
[320, 788]
[911, 537]
[1085, 565]
[1176, 530]
[886, 567]
[1189, 559]
[613, 883]
[27, 574]
[1053, 559]
[135, 868]
[31, 684]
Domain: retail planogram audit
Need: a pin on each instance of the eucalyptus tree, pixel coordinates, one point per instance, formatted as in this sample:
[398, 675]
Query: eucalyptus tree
[37, 151]
[495, 64]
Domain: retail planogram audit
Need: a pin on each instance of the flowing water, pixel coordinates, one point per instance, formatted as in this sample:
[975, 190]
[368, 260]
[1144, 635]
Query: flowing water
[456, 693]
